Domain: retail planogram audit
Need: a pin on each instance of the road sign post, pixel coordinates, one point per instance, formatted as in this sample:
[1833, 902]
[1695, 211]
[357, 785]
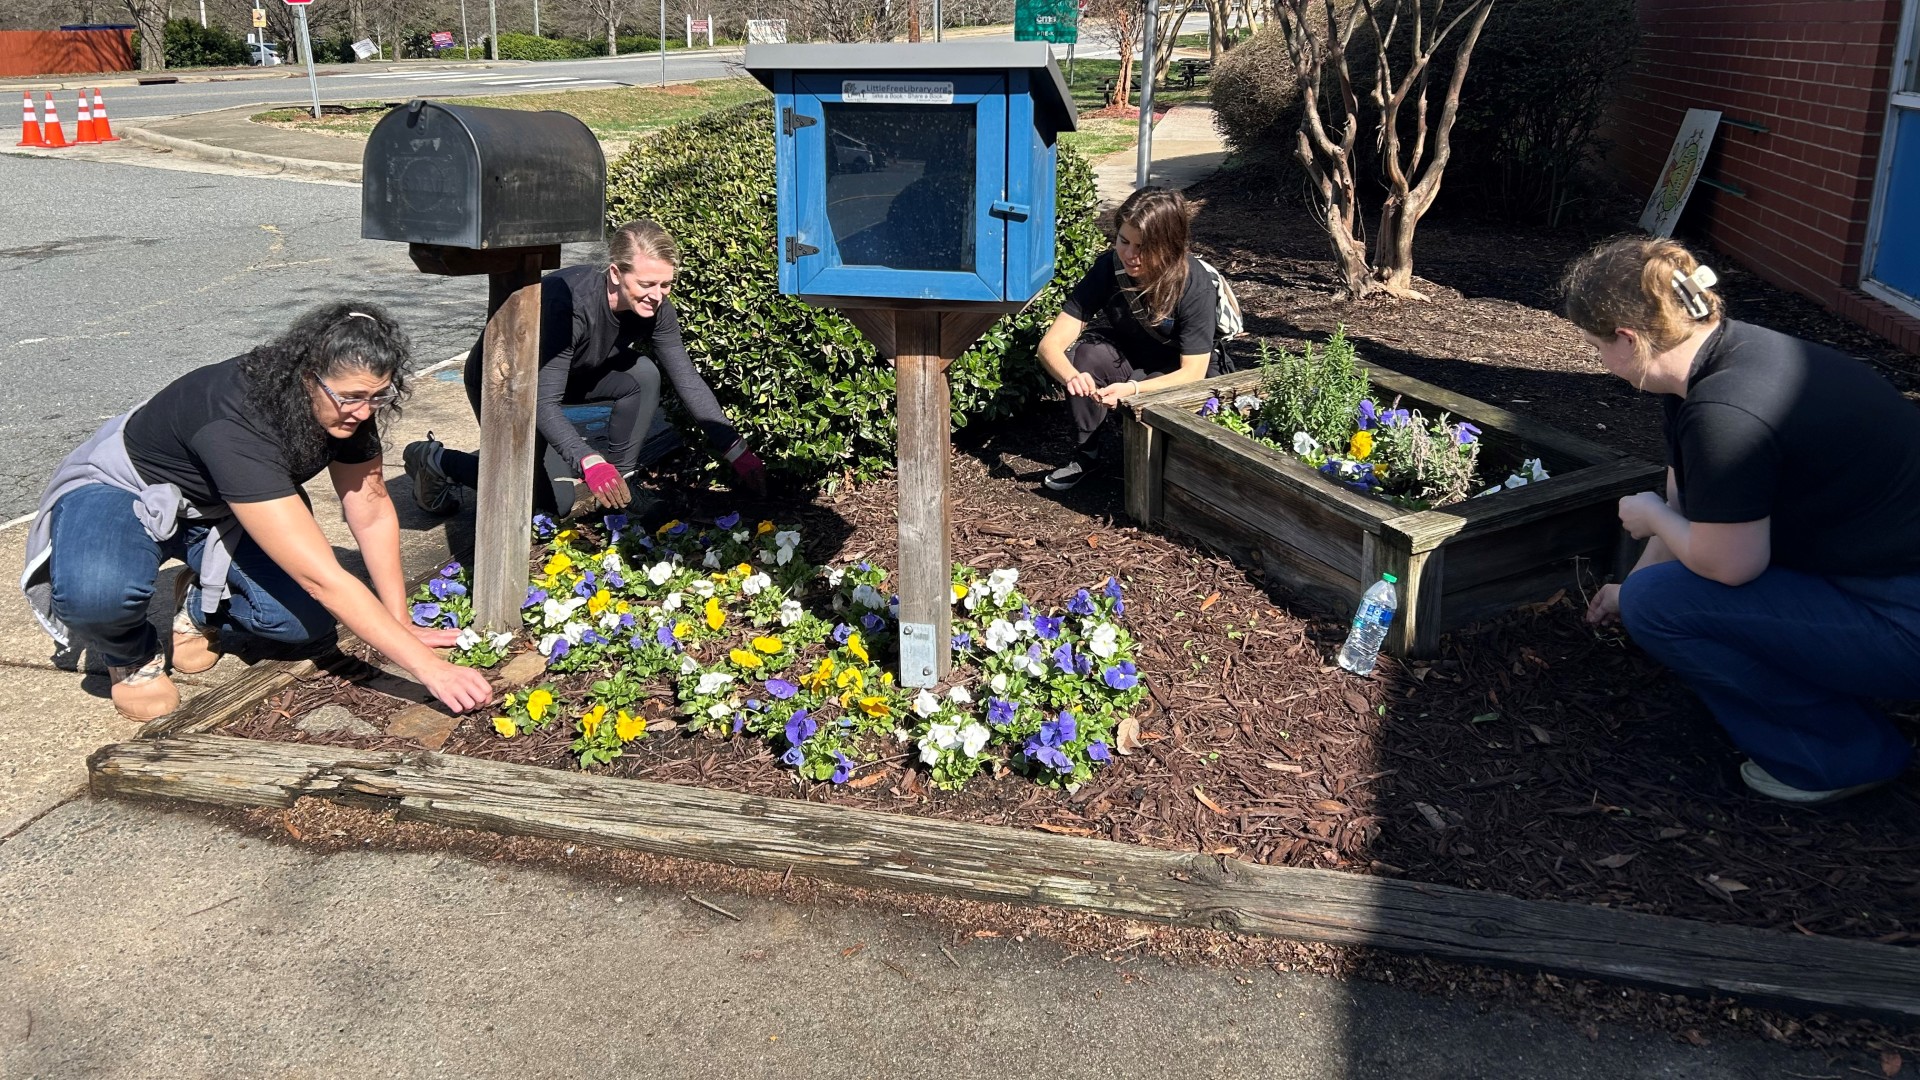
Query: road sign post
[306, 49]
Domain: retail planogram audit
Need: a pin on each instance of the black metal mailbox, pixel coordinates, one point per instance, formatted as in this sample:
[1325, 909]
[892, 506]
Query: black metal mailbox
[460, 176]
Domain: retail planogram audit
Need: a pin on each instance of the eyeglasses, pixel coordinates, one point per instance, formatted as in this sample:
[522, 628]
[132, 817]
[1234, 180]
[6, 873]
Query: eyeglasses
[348, 404]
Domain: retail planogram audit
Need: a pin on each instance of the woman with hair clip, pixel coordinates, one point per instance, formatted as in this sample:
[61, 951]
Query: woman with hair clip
[599, 322]
[1141, 319]
[209, 471]
[1781, 578]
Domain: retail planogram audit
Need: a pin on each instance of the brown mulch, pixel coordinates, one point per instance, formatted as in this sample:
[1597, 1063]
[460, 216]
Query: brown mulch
[1536, 757]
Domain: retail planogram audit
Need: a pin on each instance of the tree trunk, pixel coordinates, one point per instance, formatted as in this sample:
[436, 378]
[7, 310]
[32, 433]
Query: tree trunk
[613, 37]
[1219, 13]
[1124, 89]
[151, 23]
[1166, 35]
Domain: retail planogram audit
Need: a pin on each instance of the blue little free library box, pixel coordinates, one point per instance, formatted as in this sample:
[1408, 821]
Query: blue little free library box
[915, 174]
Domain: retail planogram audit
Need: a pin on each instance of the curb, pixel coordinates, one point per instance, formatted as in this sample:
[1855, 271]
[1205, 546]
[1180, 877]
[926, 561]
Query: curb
[319, 170]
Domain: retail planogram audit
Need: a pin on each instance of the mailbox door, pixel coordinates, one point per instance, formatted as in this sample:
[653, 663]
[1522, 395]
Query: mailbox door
[896, 176]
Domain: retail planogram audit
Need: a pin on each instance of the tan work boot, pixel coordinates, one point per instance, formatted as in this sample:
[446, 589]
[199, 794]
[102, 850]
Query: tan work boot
[144, 693]
[194, 650]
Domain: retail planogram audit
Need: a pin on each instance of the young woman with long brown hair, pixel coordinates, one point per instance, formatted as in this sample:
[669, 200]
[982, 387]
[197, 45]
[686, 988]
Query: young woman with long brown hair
[1141, 319]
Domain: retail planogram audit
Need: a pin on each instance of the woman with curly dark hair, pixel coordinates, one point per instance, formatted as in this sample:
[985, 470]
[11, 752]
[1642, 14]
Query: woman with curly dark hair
[209, 471]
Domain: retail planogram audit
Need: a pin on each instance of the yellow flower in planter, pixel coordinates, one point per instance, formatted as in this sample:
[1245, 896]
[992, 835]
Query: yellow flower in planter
[682, 629]
[559, 564]
[744, 569]
[852, 676]
[667, 528]
[769, 645]
[858, 648]
[875, 706]
[821, 675]
[959, 593]
[1360, 445]
[505, 726]
[744, 658]
[765, 528]
[590, 721]
[538, 703]
[716, 618]
[622, 608]
[629, 727]
[563, 536]
[599, 602]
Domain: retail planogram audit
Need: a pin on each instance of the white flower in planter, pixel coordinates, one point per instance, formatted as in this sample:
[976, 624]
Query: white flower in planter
[784, 556]
[973, 739]
[547, 642]
[468, 639]
[556, 612]
[719, 710]
[834, 574]
[1247, 403]
[755, 584]
[1534, 470]
[672, 602]
[1104, 641]
[741, 536]
[960, 696]
[574, 631]
[1000, 634]
[700, 587]
[659, 572]
[610, 562]
[712, 561]
[1000, 584]
[867, 596]
[939, 738]
[609, 622]
[788, 539]
[791, 612]
[999, 683]
[926, 704]
[1304, 444]
[688, 665]
[501, 641]
[712, 682]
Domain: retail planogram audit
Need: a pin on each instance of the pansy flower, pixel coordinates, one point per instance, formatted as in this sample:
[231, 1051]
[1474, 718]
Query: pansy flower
[1464, 433]
[728, 521]
[842, 768]
[1121, 676]
[800, 727]
[1049, 756]
[1063, 657]
[535, 597]
[1211, 407]
[1098, 752]
[1081, 604]
[1368, 415]
[1000, 712]
[1047, 626]
[1059, 731]
[781, 689]
[1113, 594]
[426, 614]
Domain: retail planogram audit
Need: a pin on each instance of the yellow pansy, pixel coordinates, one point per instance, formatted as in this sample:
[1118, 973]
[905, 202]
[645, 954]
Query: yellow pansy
[681, 629]
[1360, 445]
[744, 658]
[851, 676]
[874, 706]
[505, 726]
[598, 602]
[629, 727]
[558, 564]
[857, 647]
[744, 569]
[765, 528]
[668, 527]
[563, 536]
[769, 645]
[959, 593]
[590, 722]
[820, 676]
[512, 700]
[538, 703]
[716, 618]
[845, 698]
[886, 678]
[622, 608]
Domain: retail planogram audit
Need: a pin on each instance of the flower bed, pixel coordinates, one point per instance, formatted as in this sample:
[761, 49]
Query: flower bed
[1320, 536]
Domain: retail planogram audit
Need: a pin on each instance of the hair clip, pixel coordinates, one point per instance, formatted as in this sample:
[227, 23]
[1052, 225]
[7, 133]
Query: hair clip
[1692, 290]
[361, 315]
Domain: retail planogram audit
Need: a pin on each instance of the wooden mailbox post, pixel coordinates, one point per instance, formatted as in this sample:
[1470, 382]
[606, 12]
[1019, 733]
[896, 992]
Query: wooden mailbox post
[495, 192]
[916, 196]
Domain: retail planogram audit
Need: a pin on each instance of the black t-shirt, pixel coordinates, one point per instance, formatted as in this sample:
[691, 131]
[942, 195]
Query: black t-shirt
[1775, 427]
[200, 434]
[1189, 330]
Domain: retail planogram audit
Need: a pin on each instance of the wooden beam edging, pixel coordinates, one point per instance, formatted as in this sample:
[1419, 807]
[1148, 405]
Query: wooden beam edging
[998, 864]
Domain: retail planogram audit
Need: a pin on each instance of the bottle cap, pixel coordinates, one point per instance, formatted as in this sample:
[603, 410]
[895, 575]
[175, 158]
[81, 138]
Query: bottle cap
[1389, 579]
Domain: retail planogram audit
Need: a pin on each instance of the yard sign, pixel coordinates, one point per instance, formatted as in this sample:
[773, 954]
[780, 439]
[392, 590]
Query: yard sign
[1677, 176]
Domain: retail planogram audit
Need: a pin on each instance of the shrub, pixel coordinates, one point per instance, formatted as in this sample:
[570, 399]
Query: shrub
[637, 43]
[528, 47]
[803, 384]
[191, 45]
[1543, 73]
[1256, 98]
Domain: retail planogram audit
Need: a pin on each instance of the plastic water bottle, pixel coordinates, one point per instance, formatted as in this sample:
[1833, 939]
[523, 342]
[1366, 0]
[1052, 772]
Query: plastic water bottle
[1370, 624]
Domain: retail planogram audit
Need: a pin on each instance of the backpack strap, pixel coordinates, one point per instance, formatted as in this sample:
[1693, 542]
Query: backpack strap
[1137, 305]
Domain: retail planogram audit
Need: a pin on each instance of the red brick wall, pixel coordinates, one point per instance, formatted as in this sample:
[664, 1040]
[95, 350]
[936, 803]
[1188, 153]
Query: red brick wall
[1815, 72]
[62, 52]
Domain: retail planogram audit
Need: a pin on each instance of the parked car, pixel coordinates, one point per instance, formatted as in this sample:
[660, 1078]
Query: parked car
[265, 55]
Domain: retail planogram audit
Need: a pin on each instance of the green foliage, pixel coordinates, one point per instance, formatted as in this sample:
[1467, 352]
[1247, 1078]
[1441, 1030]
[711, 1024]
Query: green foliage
[1256, 98]
[638, 43]
[1543, 73]
[529, 47]
[191, 45]
[1424, 463]
[804, 385]
[1316, 391]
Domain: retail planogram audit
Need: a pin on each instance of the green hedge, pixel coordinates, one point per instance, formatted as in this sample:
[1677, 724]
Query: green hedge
[189, 44]
[803, 384]
[528, 47]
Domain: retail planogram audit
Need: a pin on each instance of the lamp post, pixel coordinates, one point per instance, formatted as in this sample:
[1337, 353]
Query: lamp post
[1146, 94]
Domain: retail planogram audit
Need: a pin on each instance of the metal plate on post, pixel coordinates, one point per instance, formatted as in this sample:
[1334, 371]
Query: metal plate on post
[919, 659]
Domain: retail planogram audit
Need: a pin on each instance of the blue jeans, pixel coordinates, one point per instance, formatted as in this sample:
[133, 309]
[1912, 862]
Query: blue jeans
[105, 566]
[1789, 662]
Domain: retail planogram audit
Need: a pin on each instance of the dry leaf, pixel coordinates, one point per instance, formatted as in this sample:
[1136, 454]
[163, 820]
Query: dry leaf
[1126, 737]
[1093, 541]
[855, 948]
[1615, 862]
[1541, 734]
[1208, 803]
[1357, 703]
[1331, 806]
[1421, 673]
[1212, 599]
[866, 781]
[1891, 1062]
[1283, 766]
[1064, 830]
[1723, 885]
[1669, 833]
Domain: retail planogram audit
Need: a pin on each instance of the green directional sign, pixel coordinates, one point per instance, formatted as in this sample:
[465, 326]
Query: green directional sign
[1057, 21]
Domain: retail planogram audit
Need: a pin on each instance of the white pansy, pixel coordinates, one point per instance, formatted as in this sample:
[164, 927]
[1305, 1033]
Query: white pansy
[741, 536]
[502, 640]
[833, 577]
[959, 694]
[1514, 480]
[1036, 665]
[1104, 641]
[687, 665]
[929, 752]
[610, 562]
[700, 587]
[609, 622]
[1000, 634]
[784, 556]
[971, 600]
[1024, 628]
[755, 584]
[673, 601]
[786, 539]
[468, 639]
[766, 558]
[1000, 583]
[791, 612]
[574, 631]
[867, 596]
[719, 710]
[999, 683]
[1304, 444]
[713, 682]
[926, 704]
[1247, 402]
[659, 572]
[547, 642]
[555, 612]
[1534, 470]
[712, 561]
[973, 739]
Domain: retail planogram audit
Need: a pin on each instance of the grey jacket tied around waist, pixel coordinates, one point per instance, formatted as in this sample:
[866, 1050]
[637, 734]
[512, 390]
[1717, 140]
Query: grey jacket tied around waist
[102, 459]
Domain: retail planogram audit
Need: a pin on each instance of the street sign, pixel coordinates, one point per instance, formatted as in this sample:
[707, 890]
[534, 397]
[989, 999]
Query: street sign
[365, 49]
[298, 3]
[443, 39]
[1057, 21]
[260, 18]
[766, 31]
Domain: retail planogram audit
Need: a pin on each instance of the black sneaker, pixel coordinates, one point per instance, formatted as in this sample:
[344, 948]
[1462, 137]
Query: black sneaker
[431, 488]
[1067, 476]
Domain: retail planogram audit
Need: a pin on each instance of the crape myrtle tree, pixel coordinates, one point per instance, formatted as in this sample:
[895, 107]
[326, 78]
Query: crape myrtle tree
[1393, 45]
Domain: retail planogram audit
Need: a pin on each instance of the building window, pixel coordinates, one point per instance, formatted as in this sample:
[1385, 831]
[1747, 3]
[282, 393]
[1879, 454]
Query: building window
[1893, 251]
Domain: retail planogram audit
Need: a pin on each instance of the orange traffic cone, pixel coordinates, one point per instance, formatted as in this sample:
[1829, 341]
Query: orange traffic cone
[102, 131]
[83, 127]
[29, 123]
[50, 125]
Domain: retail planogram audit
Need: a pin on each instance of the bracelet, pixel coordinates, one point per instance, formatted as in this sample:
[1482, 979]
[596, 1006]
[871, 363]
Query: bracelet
[1135, 383]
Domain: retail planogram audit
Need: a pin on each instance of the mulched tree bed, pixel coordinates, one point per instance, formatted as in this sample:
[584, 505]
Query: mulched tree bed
[1536, 757]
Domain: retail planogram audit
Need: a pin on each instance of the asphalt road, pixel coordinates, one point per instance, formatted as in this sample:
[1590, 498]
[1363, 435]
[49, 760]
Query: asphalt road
[120, 279]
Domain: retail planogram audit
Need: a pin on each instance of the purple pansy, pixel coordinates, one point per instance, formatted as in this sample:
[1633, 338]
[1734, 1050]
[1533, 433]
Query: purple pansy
[582, 588]
[1113, 594]
[1081, 604]
[793, 756]
[1083, 663]
[426, 614]
[1465, 433]
[842, 767]
[728, 521]
[1098, 752]
[1049, 756]
[873, 623]
[1368, 415]
[739, 722]
[781, 688]
[615, 581]
[1211, 408]
[841, 633]
[679, 529]
[443, 588]
[665, 636]
[535, 597]
[1047, 627]
[560, 648]
[616, 524]
[1000, 712]
[1059, 732]
[800, 727]
[543, 526]
[1121, 676]
[592, 637]
[452, 569]
[962, 642]
[1063, 657]
[627, 620]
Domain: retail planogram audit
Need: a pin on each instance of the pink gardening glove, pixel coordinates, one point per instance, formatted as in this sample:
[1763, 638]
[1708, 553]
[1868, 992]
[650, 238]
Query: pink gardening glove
[748, 466]
[605, 481]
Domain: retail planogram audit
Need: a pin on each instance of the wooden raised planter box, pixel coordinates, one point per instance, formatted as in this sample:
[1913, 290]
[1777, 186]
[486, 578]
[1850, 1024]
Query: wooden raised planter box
[1456, 565]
